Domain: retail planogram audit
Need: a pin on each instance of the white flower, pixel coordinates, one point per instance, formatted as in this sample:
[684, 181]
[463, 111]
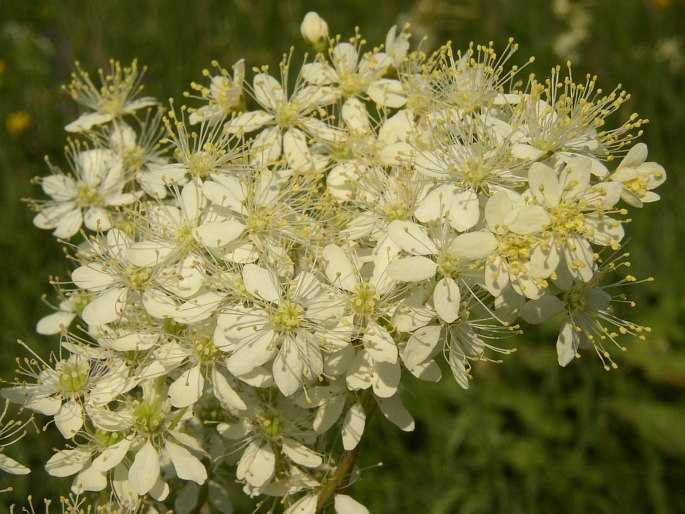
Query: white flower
[578, 215]
[113, 99]
[284, 121]
[354, 76]
[97, 185]
[291, 323]
[638, 177]
[223, 95]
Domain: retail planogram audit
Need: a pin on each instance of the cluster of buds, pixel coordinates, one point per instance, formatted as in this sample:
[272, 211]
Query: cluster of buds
[256, 274]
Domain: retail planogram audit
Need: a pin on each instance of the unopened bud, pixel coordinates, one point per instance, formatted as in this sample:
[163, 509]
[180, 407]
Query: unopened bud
[314, 30]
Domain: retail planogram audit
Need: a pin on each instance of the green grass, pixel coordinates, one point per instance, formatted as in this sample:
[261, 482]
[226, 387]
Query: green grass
[528, 437]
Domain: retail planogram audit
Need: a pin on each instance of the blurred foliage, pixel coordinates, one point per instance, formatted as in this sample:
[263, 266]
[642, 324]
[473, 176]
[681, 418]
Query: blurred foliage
[528, 437]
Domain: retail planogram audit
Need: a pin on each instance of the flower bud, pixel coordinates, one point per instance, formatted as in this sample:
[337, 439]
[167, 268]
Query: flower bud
[314, 30]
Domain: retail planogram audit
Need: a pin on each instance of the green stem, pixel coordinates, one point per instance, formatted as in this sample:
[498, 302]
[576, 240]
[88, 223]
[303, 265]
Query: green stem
[340, 477]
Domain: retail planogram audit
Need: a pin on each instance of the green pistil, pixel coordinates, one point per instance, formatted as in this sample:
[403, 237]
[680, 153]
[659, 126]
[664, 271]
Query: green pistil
[87, 195]
[172, 327]
[201, 164]
[183, 235]
[73, 376]
[351, 84]
[577, 300]
[364, 299]
[448, 264]
[397, 210]
[272, 427]
[138, 277]
[205, 351]
[259, 220]
[149, 416]
[107, 439]
[287, 115]
[288, 316]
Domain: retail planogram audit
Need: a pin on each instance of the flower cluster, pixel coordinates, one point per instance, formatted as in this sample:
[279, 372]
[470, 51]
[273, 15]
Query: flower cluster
[254, 275]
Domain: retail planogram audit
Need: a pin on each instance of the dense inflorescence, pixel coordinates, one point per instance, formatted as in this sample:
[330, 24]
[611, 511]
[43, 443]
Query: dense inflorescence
[255, 274]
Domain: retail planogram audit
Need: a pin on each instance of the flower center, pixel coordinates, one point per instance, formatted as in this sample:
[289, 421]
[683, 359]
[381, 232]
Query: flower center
[259, 220]
[568, 218]
[577, 300]
[364, 299]
[272, 427]
[149, 416]
[448, 264]
[351, 84]
[397, 210]
[138, 277]
[184, 235]
[288, 316]
[73, 375]
[205, 351]
[87, 195]
[287, 115]
[201, 164]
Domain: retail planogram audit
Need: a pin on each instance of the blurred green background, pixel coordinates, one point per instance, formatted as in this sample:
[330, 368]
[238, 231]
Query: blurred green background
[528, 437]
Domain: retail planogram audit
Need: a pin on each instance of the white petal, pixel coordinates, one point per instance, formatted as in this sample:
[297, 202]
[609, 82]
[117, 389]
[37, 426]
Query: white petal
[412, 269]
[421, 345]
[225, 393]
[187, 466]
[306, 505]
[395, 412]
[474, 245]
[300, 454]
[215, 234]
[436, 203]
[67, 462]
[464, 212]
[96, 219]
[89, 479]
[528, 219]
[55, 323]
[542, 309]
[261, 282]
[386, 378]
[567, 344]
[112, 455]
[354, 114]
[388, 93]
[254, 351]
[148, 253]
[345, 57]
[92, 277]
[86, 121]
[105, 308]
[328, 414]
[447, 299]
[144, 471]
[187, 389]
[353, 426]
[347, 505]
[248, 121]
[544, 185]
[257, 464]
[11, 466]
[296, 151]
[635, 156]
[339, 269]
[268, 91]
[69, 418]
[411, 238]
[288, 368]
[379, 343]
